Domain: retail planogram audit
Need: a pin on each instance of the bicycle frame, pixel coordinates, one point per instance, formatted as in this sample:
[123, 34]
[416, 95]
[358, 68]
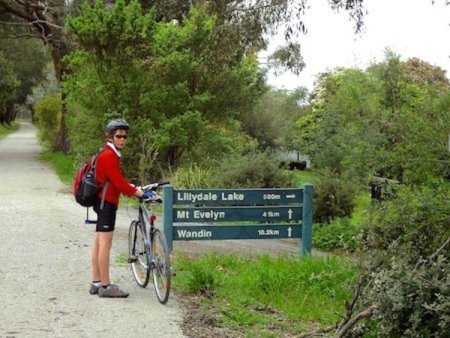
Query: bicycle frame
[142, 215]
[144, 218]
[148, 251]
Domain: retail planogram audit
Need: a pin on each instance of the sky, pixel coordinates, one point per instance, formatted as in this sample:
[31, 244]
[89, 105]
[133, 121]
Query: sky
[410, 28]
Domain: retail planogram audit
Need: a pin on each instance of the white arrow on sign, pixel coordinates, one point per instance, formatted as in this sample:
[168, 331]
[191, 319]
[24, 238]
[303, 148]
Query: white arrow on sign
[290, 213]
[290, 196]
[289, 232]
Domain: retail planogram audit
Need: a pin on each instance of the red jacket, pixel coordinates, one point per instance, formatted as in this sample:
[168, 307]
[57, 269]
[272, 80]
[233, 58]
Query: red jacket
[108, 168]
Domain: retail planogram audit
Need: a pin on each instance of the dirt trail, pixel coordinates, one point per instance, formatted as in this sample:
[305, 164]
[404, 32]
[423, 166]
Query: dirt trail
[45, 260]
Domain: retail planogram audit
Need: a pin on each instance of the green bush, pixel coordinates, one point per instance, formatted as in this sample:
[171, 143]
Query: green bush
[414, 224]
[334, 196]
[413, 301]
[192, 176]
[253, 170]
[47, 113]
[338, 234]
[406, 245]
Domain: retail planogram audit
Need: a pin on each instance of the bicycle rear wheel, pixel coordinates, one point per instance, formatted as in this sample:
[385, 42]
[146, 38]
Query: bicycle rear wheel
[160, 266]
[139, 254]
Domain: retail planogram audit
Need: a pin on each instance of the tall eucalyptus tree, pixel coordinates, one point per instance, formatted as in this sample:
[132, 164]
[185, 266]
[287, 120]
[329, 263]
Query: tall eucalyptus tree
[246, 23]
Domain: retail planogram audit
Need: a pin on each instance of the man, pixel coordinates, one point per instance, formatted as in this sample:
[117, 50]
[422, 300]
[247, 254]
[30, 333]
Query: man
[109, 175]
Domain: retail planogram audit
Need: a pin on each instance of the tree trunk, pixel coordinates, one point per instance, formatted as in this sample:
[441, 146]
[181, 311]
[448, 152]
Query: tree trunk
[62, 143]
[47, 22]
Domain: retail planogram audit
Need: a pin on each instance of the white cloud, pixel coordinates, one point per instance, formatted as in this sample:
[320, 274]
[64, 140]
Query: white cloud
[411, 28]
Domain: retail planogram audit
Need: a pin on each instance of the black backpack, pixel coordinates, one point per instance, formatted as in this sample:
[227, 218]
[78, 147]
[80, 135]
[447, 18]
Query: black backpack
[85, 187]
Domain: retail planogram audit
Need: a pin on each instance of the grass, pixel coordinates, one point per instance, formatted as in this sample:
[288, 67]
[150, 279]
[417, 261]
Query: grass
[362, 206]
[63, 164]
[122, 260]
[5, 130]
[264, 294]
[306, 176]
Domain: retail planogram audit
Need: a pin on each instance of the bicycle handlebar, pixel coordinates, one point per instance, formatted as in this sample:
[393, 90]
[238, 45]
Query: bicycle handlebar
[154, 186]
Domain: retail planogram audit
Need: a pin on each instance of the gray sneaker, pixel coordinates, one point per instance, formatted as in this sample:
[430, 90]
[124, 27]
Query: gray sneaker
[93, 290]
[112, 291]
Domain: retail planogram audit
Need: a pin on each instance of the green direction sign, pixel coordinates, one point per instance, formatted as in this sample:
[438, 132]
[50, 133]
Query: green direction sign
[236, 213]
[217, 232]
[237, 197]
[255, 213]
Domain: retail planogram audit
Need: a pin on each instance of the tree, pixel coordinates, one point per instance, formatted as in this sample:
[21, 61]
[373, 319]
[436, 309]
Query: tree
[251, 23]
[27, 59]
[414, 122]
[46, 19]
[164, 77]
[422, 72]
[381, 121]
[270, 121]
[8, 86]
[340, 132]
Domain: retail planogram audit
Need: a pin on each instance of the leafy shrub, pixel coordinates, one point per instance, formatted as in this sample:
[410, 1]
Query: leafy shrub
[339, 234]
[413, 302]
[48, 117]
[192, 176]
[414, 224]
[333, 196]
[406, 245]
[253, 170]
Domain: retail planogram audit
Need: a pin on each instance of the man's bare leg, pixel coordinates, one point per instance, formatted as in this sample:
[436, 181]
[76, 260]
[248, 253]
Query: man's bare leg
[100, 257]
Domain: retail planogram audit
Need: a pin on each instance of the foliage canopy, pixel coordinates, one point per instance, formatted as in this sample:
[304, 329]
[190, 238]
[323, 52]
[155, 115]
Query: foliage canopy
[161, 76]
[383, 121]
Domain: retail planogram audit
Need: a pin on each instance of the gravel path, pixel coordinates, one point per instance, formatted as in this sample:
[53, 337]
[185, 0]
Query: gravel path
[45, 260]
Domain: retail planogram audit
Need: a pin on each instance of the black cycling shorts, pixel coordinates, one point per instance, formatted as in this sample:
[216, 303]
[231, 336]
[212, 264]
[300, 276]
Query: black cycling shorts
[106, 217]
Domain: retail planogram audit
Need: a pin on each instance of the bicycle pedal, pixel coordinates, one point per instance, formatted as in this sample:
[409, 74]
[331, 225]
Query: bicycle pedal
[132, 259]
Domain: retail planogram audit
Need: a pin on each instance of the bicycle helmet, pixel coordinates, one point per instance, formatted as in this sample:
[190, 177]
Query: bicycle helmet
[116, 124]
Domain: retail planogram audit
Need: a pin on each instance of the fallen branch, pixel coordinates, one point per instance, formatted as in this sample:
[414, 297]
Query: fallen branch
[440, 249]
[348, 320]
[350, 306]
[437, 252]
[351, 322]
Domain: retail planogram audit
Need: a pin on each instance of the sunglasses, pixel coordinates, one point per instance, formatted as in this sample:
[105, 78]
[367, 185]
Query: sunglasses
[121, 136]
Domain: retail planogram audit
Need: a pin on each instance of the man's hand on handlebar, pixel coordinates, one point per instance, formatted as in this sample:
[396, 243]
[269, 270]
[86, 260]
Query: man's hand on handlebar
[147, 192]
[151, 196]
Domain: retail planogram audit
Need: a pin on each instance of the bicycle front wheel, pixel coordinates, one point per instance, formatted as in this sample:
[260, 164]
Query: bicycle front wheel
[139, 254]
[160, 266]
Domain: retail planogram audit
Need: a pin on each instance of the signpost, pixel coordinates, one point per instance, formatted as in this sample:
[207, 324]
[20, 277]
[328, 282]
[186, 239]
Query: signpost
[219, 214]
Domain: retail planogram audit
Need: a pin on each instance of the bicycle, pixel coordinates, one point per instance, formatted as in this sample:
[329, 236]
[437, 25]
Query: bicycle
[148, 250]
